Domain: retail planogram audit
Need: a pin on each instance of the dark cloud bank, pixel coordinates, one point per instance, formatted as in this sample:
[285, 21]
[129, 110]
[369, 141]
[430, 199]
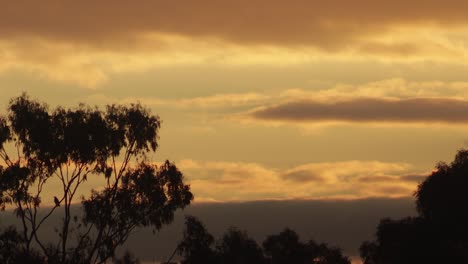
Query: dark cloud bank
[326, 24]
[413, 110]
[342, 223]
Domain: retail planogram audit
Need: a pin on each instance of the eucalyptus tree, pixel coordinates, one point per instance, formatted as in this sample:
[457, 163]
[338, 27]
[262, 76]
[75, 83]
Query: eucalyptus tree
[71, 146]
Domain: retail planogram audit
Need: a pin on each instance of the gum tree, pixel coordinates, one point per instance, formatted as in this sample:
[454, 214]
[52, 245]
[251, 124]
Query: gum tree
[72, 145]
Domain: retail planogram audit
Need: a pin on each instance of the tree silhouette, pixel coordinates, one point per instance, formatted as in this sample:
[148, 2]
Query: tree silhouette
[409, 240]
[440, 233]
[127, 258]
[196, 245]
[11, 251]
[72, 145]
[286, 247]
[236, 247]
[442, 198]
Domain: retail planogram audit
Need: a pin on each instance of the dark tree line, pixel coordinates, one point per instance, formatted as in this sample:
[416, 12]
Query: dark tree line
[236, 247]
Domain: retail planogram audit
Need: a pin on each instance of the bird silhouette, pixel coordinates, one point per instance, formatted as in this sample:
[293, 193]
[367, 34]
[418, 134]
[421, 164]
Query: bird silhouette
[57, 202]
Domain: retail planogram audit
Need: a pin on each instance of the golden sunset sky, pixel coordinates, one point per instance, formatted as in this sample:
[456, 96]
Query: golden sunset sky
[260, 99]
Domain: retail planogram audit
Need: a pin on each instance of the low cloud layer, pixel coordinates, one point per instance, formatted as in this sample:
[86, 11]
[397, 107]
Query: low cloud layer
[368, 110]
[345, 224]
[230, 181]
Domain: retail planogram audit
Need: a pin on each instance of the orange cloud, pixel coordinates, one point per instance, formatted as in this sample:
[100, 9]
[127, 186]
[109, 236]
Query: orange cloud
[86, 42]
[228, 181]
[299, 22]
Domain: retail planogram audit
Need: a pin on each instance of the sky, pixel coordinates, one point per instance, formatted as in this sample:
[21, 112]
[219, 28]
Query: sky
[260, 100]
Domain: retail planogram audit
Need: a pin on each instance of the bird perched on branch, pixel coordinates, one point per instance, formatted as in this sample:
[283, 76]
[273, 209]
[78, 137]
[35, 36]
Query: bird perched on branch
[57, 202]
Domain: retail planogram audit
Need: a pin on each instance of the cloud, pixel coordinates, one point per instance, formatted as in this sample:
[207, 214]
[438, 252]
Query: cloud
[410, 178]
[390, 88]
[237, 181]
[87, 42]
[303, 176]
[414, 177]
[368, 110]
[389, 101]
[325, 24]
[395, 88]
[90, 66]
[225, 100]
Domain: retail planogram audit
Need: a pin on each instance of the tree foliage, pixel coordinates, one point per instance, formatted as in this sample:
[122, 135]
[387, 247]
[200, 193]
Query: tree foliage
[236, 247]
[442, 198]
[11, 253]
[286, 247]
[197, 244]
[72, 145]
[440, 233]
